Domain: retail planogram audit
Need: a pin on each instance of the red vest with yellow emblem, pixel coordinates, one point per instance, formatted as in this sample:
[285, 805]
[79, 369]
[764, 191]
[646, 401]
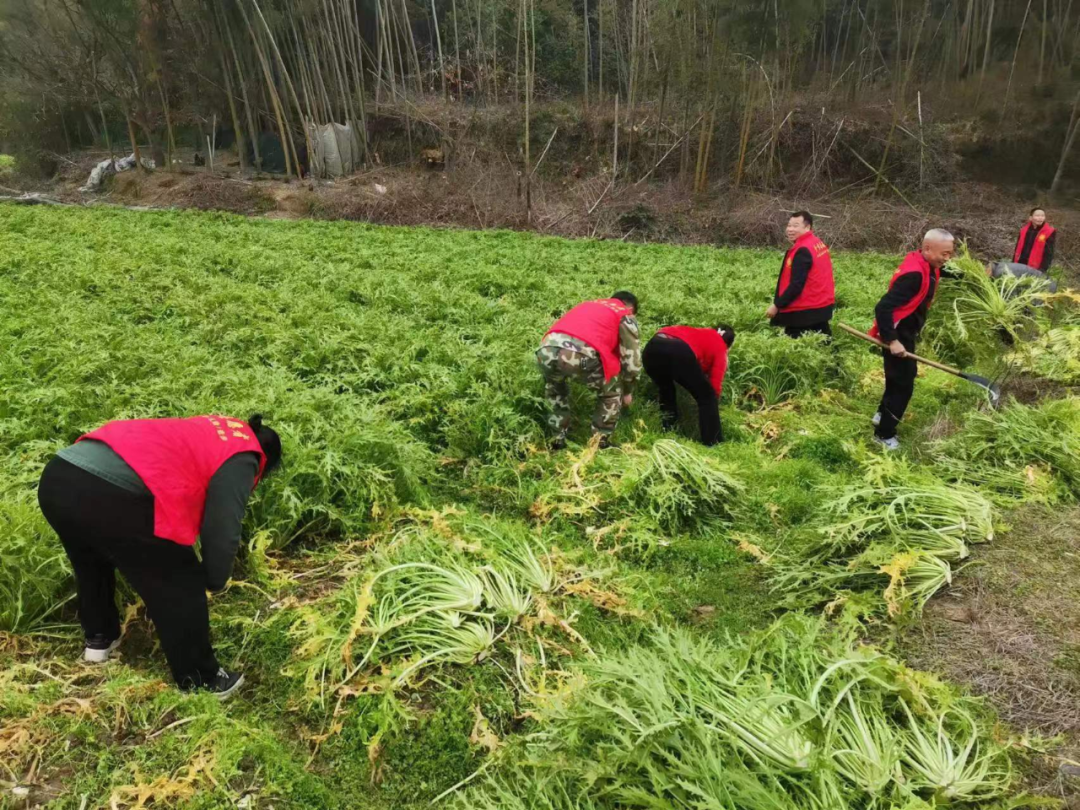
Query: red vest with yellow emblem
[176, 458]
[1038, 247]
[912, 263]
[597, 323]
[820, 289]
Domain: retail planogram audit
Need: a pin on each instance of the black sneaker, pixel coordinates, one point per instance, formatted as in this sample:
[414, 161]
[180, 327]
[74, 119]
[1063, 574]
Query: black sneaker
[558, 443]
[607, 442]
[225, 683]
[98, 648]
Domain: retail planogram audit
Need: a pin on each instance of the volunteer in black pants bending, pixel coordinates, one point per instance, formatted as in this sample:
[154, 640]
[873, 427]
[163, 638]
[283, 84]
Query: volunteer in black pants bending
[133, 496]
[696, 359]
[898, 319]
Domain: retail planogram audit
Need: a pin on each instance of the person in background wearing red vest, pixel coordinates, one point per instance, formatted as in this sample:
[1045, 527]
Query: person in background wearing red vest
[596, 343]
[1035, 246]
[697, 360]
[133, 496]
[898, 319]
[805, 292]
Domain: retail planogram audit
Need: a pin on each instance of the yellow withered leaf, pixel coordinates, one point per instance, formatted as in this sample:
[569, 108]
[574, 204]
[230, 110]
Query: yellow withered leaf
[482, 734]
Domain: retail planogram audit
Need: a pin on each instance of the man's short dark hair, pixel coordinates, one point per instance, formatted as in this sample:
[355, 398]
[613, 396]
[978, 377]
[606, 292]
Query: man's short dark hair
[807, 217]
[627, 298]
[727, 332]
[1036, 208]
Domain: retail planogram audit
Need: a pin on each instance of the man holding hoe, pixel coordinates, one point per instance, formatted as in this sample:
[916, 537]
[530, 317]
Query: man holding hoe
[898, 319]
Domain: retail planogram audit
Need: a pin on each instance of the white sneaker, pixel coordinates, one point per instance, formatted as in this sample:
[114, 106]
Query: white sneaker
[890, 445]
[98, 649]
[875, 420]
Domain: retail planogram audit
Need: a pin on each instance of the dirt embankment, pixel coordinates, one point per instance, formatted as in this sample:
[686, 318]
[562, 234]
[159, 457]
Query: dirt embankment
[818, 162]
[1009, 629]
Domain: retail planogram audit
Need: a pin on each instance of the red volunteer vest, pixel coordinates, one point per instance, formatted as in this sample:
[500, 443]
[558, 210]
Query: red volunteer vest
[597, 323]
[176, 458]
[1038, 247]
[820, 289]
[912, 263]
[708, 347]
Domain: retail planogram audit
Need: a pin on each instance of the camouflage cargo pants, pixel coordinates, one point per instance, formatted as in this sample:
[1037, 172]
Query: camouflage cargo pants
[563, 358]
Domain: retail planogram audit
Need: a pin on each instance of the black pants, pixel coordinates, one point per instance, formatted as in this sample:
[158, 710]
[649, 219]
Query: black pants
[798, 331]
[105, 528]
[668, 361]
[900, 376]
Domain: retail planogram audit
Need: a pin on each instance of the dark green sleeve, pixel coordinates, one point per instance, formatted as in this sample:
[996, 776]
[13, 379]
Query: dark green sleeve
[223, 515]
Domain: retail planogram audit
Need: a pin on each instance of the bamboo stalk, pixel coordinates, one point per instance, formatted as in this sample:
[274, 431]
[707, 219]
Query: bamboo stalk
[411, 41]
[600, 45]
[358, 70]
[530, 68]
[744, 133]
[615, 151]
[922, 142]
[457, 48]
[237, 128]
[1042, 44]
[1070, 139]
[271, 90]
[986, 51]
[289, 86]
[703, 180]
[248, 112]
[586, 54]
[1016, 52]
[380, 13]
[438, 40]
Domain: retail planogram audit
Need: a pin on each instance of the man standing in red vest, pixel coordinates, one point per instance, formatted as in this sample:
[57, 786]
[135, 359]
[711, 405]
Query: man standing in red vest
[598, 344]
[898, 319]
[805, 292]
[133, 496]
[1035, 245]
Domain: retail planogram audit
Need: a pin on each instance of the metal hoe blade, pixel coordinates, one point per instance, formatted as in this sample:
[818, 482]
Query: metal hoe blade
[991, 387]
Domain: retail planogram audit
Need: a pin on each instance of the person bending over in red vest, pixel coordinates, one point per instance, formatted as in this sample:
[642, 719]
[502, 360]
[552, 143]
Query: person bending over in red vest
[697, 360]
[1035, 245]
[596, 343]
[805, 292]
[898, 319]
[133, 496]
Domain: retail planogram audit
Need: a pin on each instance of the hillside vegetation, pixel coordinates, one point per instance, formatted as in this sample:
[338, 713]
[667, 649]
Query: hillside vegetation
[428, 598]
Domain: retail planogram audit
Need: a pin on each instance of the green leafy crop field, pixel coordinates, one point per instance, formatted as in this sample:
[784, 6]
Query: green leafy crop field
[431, 605]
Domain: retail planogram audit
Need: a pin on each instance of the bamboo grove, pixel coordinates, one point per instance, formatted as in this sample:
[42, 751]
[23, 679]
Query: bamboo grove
[125, 73]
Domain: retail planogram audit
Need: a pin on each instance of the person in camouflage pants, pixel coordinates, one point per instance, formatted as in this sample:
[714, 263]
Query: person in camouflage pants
[562, 358]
